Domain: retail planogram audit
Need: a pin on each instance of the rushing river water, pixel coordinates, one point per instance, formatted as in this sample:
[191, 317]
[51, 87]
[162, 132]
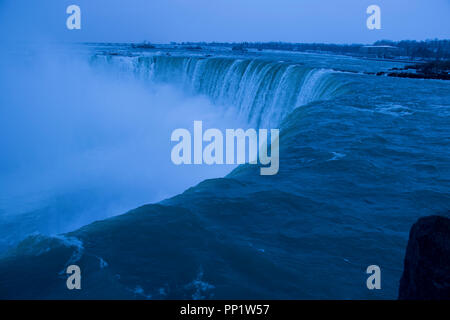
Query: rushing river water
[361, 158]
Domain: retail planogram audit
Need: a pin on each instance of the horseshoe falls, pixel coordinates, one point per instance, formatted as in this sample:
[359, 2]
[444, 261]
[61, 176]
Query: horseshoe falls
[262, 92]
[361, 158]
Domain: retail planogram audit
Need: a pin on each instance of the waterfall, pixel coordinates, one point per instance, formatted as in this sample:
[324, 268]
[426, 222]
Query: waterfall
[263, 91]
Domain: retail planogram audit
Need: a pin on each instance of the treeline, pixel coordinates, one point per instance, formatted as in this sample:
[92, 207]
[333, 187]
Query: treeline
[429, 49]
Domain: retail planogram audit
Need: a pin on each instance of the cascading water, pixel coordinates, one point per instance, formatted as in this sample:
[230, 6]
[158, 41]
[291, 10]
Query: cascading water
[263, 92]
[357, 169]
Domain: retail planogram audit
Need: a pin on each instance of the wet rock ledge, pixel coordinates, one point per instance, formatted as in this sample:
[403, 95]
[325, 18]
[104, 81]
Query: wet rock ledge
[426, 274]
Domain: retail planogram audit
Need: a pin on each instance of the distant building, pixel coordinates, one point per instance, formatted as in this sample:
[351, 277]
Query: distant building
[381, 51]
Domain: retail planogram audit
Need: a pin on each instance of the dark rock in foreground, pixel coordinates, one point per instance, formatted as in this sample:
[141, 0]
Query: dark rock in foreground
[426, 274]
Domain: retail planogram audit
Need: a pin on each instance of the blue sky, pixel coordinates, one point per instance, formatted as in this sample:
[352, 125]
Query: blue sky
[161, 21]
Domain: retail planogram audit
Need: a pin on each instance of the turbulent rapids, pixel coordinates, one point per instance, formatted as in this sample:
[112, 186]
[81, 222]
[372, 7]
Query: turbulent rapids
[263, 92]
[361, 158]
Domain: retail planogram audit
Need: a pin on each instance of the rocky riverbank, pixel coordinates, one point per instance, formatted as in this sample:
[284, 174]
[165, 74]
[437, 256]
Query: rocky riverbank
[431, 70]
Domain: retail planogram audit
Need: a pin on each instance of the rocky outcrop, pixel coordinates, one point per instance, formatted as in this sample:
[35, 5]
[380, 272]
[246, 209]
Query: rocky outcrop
[439, 70]
[426, 274]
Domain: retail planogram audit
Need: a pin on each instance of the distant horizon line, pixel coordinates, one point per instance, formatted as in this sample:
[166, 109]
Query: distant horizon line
[261, 42]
